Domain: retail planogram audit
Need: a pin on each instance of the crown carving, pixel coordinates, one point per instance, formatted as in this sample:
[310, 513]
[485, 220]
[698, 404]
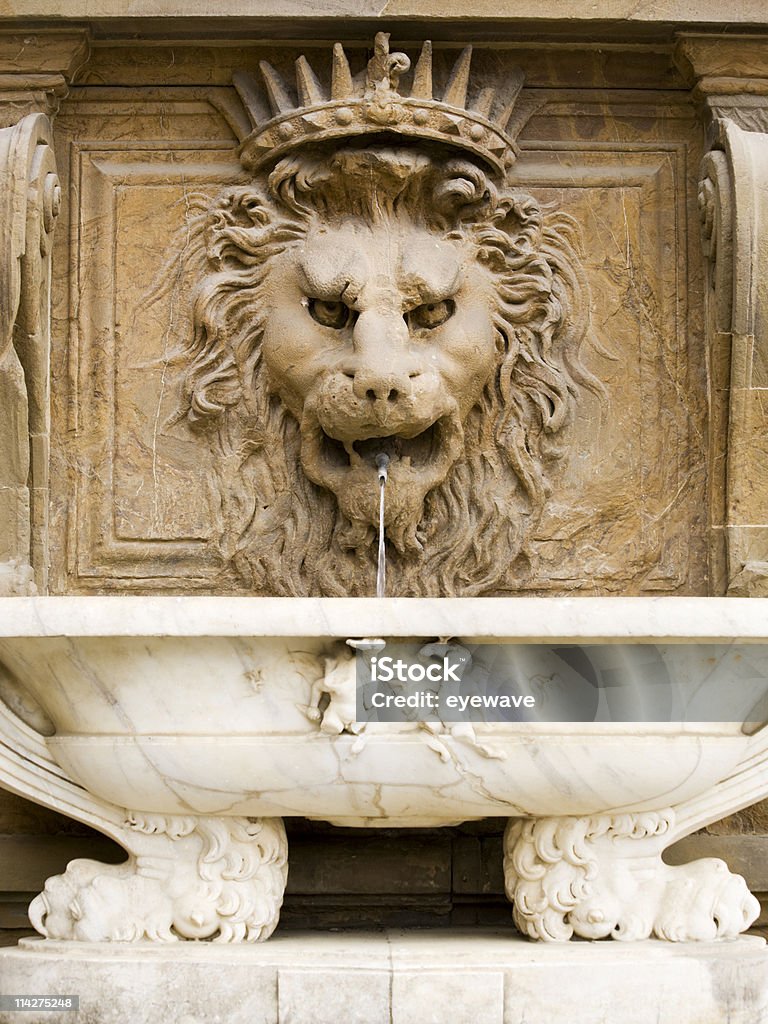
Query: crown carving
[371, 103]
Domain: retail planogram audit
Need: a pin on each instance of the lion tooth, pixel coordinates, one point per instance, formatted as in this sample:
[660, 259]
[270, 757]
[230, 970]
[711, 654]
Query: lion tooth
[354, 457]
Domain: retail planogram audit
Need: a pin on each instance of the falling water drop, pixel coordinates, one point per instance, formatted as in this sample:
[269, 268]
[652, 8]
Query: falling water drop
[382, 461]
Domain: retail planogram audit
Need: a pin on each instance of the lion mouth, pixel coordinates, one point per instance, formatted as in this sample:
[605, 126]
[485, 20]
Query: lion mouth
[416, 452]
[419, 460]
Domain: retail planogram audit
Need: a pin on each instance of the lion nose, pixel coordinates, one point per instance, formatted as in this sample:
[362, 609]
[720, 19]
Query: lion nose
[366, 384]
[382, 370]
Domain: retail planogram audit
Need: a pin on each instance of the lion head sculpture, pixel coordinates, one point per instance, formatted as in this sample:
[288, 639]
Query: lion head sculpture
[384, 296]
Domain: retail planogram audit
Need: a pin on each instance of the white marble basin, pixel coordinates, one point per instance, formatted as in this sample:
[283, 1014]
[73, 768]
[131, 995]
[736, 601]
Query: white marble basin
[186, 728]
[199, 706]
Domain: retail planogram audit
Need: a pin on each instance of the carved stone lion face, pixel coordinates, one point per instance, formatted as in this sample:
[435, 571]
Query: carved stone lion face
[383, 300]
[380, 340]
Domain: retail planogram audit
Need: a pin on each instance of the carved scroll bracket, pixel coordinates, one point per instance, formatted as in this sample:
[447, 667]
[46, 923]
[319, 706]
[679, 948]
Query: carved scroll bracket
[729, 78]
[36, 67]
[604, 876]
[188, 877]
[30, 197]
[733, 198]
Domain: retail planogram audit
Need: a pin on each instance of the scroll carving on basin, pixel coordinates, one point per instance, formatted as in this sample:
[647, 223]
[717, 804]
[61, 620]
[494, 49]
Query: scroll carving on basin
[380, 289]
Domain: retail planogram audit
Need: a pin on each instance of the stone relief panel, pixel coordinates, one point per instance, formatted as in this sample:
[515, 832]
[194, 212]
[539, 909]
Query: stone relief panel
[616, 511]
[204, 484]
[142, 476]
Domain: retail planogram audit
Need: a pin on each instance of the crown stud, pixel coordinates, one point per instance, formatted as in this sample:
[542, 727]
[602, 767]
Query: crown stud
[371, 103]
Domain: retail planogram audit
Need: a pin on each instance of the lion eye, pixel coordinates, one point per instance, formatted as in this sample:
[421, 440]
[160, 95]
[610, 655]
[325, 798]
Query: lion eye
[431, 314]
[330, 314]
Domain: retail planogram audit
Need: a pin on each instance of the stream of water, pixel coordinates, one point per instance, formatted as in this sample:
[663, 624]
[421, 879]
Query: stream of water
[382, 461]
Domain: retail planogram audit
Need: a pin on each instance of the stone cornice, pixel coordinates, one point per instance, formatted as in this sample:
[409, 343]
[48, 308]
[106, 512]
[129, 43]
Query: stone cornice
[729, 75]
[43, 51]
[36, 69]
[709, 55]
[680, 12]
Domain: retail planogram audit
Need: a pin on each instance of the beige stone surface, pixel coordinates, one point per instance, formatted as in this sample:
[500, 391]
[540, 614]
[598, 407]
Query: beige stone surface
[737, 56]
[680, 11]
[140, 512]
[397, 978]
[34, 70]
[31, 198]
[42, 52]
[193, 62]
[419, 997]
[326, 995]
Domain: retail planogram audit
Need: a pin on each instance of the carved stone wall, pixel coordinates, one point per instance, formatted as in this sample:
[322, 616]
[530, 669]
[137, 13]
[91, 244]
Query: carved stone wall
[146, 141]
[143, 152]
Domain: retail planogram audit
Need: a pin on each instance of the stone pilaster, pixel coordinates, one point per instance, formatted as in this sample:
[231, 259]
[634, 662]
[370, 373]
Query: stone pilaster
[34, 72]
[730, 77]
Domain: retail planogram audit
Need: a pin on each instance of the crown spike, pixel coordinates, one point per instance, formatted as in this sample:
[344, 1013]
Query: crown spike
[485, 102]
[341, 76]
[248, 90]
[309, 89]
[503, 119]
[422, 75]
[456, 91]
[516, 84]
[279, 99]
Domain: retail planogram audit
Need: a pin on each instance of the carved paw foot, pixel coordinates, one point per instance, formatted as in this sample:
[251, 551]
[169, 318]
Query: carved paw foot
[704, 901]
[603, 876]
[185, 878]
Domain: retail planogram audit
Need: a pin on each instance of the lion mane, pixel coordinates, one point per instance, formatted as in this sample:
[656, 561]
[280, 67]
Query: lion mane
[283, 534]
